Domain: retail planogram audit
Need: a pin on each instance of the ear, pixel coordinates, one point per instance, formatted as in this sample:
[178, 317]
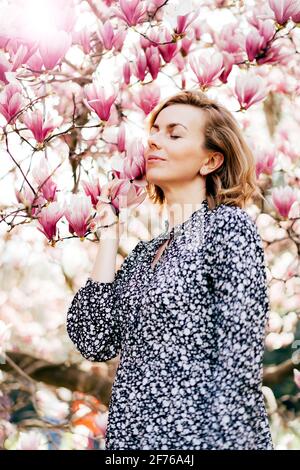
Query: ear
[216, 160]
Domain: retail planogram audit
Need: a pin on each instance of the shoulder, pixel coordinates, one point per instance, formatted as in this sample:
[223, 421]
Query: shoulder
[226, 220]
[231, 226]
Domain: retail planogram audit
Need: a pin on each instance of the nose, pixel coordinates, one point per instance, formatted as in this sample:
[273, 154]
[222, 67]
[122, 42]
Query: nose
[153, 141]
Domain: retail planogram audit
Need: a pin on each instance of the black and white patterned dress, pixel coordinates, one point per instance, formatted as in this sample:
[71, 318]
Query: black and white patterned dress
[190, 333]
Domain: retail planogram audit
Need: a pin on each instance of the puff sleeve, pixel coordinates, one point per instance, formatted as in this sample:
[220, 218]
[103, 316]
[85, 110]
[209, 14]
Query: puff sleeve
[240, 305]
[95, 318]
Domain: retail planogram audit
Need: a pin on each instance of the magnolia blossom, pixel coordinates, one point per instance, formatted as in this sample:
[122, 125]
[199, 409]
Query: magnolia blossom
[98, 100]
[131, 12]
[265, 161]
[126, 73]
[125, 194]
[134, 164]
[277, 53]
[121, 139]
[167, 51]
[11, 102]
[53, 47]
[230, 40]
[40, 126]
[48, 218]
[258, 39]
[83, 38]
[283, 199]
[41, 174]
[180, 14]
[78, 214]
[207, 70]
[92, 189]
[140, 66]
[106, 34]
[249, 89]
[228, 62]
[284, 9]
[5, 66]
[153, 61]
[147, 98]
[30, 200]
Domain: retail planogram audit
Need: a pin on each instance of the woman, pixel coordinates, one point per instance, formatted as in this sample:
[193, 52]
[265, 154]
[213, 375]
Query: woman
[187, 310]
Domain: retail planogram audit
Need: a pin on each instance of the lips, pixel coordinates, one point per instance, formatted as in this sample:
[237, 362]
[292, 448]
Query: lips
[154, 158]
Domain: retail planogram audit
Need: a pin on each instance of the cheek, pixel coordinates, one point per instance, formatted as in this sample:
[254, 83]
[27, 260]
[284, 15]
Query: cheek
[185, 157]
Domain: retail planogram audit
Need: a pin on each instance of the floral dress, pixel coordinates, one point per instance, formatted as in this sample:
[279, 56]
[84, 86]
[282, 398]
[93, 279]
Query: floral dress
[190, 333]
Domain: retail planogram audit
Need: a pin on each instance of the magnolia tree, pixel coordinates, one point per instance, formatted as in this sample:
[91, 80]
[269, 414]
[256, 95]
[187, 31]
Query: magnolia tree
[77, 85]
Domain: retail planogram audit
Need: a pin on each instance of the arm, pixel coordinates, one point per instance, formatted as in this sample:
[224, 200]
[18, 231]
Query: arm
[94, 320]
[239, 303]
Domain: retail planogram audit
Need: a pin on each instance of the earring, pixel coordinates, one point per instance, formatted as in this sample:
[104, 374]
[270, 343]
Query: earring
[202, 171]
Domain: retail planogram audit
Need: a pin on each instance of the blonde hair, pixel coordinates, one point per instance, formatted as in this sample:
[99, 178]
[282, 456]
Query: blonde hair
[234, 182]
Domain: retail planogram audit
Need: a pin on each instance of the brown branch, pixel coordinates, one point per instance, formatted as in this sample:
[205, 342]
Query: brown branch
[276, 374]
[59, 375]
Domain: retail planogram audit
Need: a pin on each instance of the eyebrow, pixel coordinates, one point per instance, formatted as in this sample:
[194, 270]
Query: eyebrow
[170, 126]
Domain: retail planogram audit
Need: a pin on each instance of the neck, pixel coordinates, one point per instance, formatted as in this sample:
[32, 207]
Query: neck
[181, 202]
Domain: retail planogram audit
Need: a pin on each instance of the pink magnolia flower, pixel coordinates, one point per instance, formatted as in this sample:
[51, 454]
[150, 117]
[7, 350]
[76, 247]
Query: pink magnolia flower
[134, 164]
[97, 100]
[265, 160]
[30, 200]
[167, 51]
[106, 34]
[186, 43]
[147, 98]
[254, 44]
[83, 38]
[53, 47]
[140, 68]
[40, 126]
[127, 73]
[131, 12]
[277, 53]
[207, 70]
[297, 377]
[184, 21]
[228, 62]
[11, 101]
[230, 40]
[153, 61]
[284, 9]
[35, 63]
[131, 167]
[283, 199]
[249, 89]
[41, 174]
[92, 189]
[121, 138]
[125, 194]
[5, 66]
[120, 35]
[48, 218]
[296, 16]
[21, 55]
[78, 214]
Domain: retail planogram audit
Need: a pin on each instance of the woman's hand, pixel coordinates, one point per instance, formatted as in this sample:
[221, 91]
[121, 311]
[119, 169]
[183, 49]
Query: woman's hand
[107, 214]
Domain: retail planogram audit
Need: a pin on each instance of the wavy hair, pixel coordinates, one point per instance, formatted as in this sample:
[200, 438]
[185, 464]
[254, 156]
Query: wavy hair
[234, 182]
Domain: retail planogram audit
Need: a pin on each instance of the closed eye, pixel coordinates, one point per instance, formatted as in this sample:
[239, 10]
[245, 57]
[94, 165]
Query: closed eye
[175, 136]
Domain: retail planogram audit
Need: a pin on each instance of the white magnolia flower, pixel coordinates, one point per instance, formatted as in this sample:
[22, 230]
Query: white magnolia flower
[176, 8]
